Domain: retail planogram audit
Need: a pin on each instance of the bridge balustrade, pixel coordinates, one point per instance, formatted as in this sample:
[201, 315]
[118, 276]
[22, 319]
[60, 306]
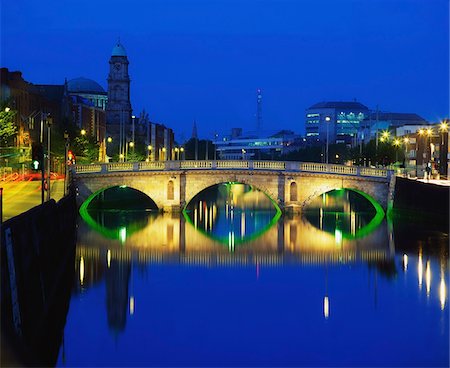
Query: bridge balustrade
[120, 166]
[232, 164]
[368, 171]
[269, 165]
[289, 166]
[88, 168]
[153, 165]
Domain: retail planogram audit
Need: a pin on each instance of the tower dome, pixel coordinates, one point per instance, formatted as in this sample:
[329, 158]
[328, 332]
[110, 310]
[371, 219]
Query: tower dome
[118, 50]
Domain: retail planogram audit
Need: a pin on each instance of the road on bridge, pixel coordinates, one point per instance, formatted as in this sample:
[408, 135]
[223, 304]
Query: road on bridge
[20, 196]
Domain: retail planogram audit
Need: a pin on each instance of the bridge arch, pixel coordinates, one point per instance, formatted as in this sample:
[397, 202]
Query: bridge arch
[253, 187]
[91, 198]
[268, 184]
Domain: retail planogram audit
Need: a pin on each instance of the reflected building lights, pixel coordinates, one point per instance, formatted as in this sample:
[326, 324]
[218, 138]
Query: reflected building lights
[405, 262]
[321, 219]
[81, 270]
[108, 258]
[131, 305]
[231, 241]
[242, 225]
[420, 270]
[353, 222]
[123, 234]
[195, 217]
[326, 307]
[428, 277]
[442, 292]
[338, 236]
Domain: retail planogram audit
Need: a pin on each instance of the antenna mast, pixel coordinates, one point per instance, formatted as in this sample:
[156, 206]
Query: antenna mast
[258, 111]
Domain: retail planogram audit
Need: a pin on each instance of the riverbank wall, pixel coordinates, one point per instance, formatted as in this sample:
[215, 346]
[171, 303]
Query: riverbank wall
[37, 265]
[421, 200]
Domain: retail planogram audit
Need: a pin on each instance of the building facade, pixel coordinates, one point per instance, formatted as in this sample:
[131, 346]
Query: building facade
[249, 146]
[118, 107]
[334, 121]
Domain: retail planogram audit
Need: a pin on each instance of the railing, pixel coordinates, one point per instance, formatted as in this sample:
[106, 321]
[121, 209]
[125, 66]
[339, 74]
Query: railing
[288, 166]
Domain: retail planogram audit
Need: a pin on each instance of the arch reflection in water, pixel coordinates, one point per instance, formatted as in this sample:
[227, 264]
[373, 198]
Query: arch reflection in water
[344, 213]
[232, 213]
[117, 212]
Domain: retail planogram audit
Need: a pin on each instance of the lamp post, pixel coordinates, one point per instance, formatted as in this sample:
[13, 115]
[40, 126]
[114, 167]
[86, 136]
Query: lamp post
[66, 157]
[327, 122]
[131, 144]
[443, 149]
[49, 124]
[177, 153]
[164, 153]
[149, 148]
[396, 144]
[182, 153]
[406, 141]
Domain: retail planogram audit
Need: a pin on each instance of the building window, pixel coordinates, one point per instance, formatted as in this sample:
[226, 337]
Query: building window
[293, 191]
[170, 190]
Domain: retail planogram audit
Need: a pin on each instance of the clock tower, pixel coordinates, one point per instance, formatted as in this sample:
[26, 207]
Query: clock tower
[118, 108]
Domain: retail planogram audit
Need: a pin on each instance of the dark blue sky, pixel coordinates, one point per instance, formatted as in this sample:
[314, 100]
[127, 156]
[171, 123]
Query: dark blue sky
[204, 59]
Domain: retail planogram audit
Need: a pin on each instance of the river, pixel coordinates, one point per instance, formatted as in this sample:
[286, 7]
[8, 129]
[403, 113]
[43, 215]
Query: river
[233, 282]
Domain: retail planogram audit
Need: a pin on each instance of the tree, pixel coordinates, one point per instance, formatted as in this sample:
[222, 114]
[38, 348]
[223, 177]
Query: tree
[8, 128]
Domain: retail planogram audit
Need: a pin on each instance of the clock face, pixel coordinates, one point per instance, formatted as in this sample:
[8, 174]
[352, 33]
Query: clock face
[117, 66]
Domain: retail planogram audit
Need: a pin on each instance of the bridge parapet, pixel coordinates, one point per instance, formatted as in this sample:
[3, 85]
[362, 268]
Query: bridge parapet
[281, 166]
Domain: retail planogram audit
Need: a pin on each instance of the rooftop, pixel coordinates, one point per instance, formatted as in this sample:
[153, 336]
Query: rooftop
[353, 105]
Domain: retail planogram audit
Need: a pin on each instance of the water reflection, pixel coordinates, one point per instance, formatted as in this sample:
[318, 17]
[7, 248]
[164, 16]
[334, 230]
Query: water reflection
[344, 213]
[232, 213]
[297, 275]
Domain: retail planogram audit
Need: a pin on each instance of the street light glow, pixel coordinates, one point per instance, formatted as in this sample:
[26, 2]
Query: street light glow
[7, 109]
[149, 147]
[443, 127]
[131, 144]
[429, 132]
[406, 140]
[109, 139]
[396, 142]
[83, 132]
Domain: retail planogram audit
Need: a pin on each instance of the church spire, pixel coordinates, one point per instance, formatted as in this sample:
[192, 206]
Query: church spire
[194, 131]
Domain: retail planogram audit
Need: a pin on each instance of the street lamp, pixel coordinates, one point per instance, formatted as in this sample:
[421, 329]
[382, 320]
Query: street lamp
[149, 148]
[164, 153]
[49, 124]
[396, 144]
[327, 122]
[406, 141]
[182, 152]
[131, 144]
[7, 109]
[109, 139]
[83, 132]
[443, 149]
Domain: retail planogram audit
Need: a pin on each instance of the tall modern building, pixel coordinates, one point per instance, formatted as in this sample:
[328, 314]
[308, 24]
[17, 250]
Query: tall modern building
[334, 121]
[118, 108]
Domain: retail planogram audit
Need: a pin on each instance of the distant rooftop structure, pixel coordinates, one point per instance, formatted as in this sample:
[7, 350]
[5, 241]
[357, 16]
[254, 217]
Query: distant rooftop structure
[397, 118]
[84, 85]
[339, 105]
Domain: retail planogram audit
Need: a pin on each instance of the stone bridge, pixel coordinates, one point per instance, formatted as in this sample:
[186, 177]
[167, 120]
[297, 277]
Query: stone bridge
[292, 185]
